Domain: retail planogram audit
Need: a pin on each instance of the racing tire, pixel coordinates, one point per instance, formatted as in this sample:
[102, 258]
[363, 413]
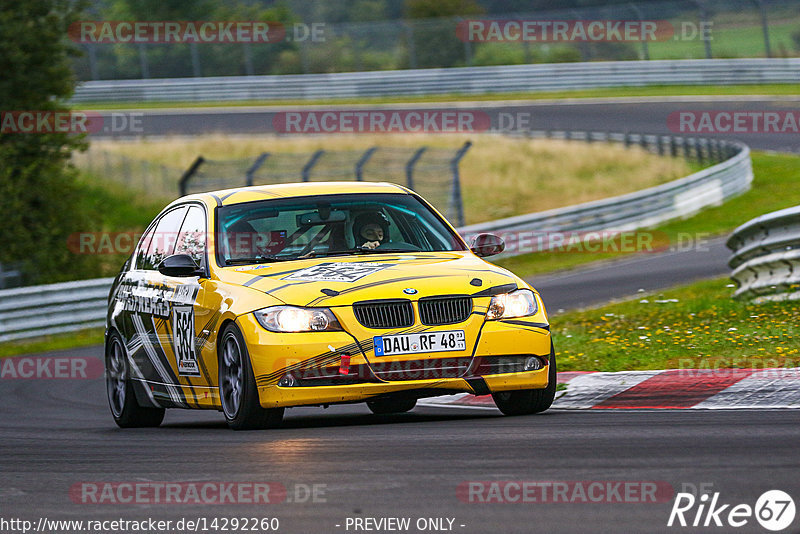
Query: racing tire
[238, 392]
[529, 401]
[389, 405]
[121, 398]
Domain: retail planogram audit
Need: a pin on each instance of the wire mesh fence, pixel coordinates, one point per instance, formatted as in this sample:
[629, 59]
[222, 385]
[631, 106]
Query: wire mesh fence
[707, 29]
[430, 171]
[433, 172]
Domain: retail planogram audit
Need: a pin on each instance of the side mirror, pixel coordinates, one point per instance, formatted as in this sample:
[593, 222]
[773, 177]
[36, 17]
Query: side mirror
[179, 265]
[487, 245]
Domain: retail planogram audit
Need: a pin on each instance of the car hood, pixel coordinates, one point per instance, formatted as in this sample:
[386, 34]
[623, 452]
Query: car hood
[342, 280]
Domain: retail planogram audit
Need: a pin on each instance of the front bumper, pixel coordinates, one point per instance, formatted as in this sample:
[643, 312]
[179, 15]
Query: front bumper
[308, 356]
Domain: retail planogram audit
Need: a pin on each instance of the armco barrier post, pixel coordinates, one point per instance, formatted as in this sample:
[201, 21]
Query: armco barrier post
[184, 181]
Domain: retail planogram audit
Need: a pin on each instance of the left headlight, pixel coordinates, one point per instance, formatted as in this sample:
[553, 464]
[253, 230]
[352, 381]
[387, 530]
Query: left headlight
[518, 303]
[296, 319]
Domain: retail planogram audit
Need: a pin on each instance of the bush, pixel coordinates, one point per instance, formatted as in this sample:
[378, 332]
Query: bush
[563, 54]
[505, 54]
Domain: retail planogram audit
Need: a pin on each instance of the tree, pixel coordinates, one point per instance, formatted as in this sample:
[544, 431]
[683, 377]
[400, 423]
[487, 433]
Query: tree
[37, 183]
[435, 41]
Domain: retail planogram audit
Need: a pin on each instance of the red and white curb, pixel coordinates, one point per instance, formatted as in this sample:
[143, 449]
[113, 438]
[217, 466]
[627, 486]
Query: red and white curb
[666, 389]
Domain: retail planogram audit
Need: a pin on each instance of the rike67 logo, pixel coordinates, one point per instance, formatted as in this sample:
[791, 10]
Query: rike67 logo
[774, 510]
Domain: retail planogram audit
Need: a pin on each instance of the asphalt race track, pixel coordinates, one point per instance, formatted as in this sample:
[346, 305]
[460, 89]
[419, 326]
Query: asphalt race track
[637, 115]
[56, 434]
[625, 278]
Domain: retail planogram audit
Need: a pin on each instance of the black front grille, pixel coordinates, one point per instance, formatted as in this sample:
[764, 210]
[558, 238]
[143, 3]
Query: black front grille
[428, 369]
[384, 313]
[449, 309]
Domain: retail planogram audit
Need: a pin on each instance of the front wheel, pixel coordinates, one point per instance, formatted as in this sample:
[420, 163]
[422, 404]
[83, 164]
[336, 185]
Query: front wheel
[237, 386]
[529, 401]
[388, 405]
[121, 399]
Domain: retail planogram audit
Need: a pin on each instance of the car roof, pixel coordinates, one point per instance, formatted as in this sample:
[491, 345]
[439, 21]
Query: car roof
[227, 197]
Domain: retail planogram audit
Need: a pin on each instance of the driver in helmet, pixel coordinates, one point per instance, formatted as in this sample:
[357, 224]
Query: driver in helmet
[371, 230]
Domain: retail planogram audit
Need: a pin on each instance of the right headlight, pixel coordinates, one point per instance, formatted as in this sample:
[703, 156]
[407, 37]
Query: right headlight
[518, 303]
[296, 319]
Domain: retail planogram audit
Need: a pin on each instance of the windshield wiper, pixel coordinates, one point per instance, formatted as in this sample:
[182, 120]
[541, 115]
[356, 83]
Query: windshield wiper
[257, 259]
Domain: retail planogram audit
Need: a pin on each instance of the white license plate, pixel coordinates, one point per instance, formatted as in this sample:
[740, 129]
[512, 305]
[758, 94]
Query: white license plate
[450, 340]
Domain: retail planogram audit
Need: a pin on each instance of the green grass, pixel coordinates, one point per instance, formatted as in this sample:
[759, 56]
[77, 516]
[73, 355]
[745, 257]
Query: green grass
[729, 41]
[116, 208]
[108, 207]
[609, 92]
[84, 338]
[698, 326]
[774, 188]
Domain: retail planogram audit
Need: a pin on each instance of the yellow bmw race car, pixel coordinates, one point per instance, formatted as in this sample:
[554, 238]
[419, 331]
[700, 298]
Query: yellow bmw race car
[255, 299]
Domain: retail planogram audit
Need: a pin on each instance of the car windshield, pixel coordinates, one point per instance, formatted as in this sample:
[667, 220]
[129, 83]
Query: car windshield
[329, 225]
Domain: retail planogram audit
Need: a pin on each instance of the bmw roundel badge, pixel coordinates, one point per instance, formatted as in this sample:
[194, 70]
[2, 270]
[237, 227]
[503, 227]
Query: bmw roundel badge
[410, 291]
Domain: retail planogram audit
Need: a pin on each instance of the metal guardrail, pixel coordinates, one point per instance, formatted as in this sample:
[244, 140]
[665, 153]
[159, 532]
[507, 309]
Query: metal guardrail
[646, 208]
[766, 256]
[466, 80]
[52, 309]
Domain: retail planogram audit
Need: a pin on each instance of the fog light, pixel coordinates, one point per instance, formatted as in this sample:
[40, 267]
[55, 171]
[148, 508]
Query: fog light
[286, 381]
[533, 364]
